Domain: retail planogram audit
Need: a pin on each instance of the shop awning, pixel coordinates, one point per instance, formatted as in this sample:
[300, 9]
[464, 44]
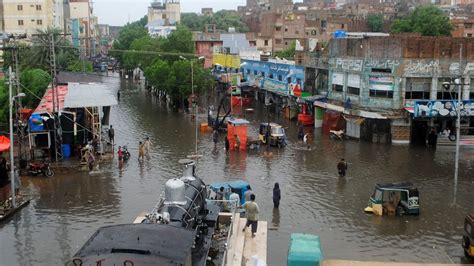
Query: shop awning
[46, 103]
[89, 95]
[354, 112]
[4, 143]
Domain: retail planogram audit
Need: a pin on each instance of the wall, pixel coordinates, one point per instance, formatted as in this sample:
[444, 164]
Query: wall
[226, 60]
[29, 15]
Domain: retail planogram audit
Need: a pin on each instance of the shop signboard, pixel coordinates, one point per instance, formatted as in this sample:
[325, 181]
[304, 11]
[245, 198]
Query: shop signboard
[442, 108]
[381, 83]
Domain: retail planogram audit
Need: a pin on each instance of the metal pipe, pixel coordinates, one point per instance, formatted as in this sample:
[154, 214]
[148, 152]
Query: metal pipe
[12, 170]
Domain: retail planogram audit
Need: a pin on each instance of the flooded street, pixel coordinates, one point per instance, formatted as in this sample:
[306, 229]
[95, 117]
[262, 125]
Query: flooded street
[67, 208]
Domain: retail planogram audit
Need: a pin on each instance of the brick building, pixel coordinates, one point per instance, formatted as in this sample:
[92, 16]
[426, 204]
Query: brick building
[463, 27]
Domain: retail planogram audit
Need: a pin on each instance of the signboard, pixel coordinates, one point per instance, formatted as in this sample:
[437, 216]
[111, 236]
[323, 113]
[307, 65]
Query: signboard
[442, 108]
[338, 79]
[384, 83]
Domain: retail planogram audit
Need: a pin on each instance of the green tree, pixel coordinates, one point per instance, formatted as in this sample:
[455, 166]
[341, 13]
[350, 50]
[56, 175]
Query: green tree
[288, 53]
[36, 82]
[179, 41]
[427, 20]
[4, 104]
[375, 22]
[223, 20]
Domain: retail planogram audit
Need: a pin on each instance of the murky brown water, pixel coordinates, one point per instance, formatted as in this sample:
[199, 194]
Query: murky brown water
[67, 209]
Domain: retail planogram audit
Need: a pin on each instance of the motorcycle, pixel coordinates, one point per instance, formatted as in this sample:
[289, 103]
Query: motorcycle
[126, 153]
[336, 134]
[38, 168]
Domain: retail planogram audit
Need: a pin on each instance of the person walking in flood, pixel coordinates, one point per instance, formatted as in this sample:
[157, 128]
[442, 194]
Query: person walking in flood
[342, 168]
[247, 193]
[227, 144]
[118, 96]
[300, 133]
[237, 143]
[91, 160]
[111, 135]
[276, 195]
[147, 145]
[215, 137]
[305, 140]
[252, 210]
[120, 157]
[141, 151]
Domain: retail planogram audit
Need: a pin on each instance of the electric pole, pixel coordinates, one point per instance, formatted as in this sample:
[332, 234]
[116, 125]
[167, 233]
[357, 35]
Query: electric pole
[55, 107]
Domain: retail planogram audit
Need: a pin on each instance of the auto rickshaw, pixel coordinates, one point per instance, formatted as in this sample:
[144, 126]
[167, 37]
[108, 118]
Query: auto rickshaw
[468, 237]
[276, 134]
[394, 199]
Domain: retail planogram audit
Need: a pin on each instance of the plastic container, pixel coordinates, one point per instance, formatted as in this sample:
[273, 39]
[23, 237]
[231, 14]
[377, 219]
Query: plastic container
[304, 250]
[66, 149]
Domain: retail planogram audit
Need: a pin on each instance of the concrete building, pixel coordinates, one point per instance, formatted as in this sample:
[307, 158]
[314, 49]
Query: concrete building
[463, 27]
[20, 17]
[169, 9]
[84, 26]
[378, 84]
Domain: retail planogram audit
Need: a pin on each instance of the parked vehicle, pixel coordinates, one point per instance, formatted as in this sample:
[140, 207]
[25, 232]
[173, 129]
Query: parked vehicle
[394, 199]
[276, 134]
[126, 153]
[237, 186]
[40, 168]
[468, 237]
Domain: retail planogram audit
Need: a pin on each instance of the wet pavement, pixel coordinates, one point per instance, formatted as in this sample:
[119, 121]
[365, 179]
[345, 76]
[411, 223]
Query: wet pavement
[67, 208]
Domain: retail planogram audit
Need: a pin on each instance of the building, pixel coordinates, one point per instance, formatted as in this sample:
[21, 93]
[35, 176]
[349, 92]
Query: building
[26, 17]
[163, 17]
[207, 11]
[169, 9]
[379, 83]
[84, 26]
[206, 44]
[463, 27]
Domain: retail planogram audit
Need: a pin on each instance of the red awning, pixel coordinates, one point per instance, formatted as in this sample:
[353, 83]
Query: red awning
[46, 104]
[4, 143]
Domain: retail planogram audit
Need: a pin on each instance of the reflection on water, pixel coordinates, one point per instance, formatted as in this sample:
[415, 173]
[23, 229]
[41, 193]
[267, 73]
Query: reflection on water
[68, 208]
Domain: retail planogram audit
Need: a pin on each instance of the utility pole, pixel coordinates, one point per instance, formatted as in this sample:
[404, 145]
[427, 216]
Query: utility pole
[16, 65]
[458, 125]
[12, 170]
[55, 107]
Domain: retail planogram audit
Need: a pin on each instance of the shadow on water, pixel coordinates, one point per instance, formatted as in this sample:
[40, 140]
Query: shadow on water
[67, 209]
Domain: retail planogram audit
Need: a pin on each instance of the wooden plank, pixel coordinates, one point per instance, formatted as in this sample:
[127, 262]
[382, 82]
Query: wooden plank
[239, 246]
[256, 246]
[233, 239]
[377, 263]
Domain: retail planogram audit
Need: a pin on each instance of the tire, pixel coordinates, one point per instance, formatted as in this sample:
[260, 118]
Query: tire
[48, 172]
[452, 137]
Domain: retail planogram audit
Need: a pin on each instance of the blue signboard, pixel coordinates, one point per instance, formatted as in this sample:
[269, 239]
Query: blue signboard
[442, 108]
[275, 77]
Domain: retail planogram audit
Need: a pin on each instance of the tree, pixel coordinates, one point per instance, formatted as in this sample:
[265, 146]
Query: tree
[4, 104]
[223, 20]
[375, 22]
[427, 20]
[179, 41]
[288, 53]
[36, 82]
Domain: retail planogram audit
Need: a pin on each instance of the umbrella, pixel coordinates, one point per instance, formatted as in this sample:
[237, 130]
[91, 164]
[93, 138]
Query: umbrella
[4, 143]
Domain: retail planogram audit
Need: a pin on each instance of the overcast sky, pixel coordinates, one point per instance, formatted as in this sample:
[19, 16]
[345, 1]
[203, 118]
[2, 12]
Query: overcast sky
[119, 12]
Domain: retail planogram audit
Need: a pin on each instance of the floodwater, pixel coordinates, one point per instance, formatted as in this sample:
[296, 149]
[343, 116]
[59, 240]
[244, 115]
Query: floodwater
[67, 208]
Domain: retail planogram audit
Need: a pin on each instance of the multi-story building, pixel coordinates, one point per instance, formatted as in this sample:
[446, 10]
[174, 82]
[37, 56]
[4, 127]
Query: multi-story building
[163, 17]
[84, 29]
[385, 87]
[26, 17]
[463, 27]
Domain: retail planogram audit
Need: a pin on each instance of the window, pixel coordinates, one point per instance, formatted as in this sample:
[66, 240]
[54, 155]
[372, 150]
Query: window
[19, 7]
[277, 41]
[262, 74]
[280, 78]
[353, 90]
[381, 70]
[255, 72]
[286, 29]
[247, 71]
[381, 94]
[447, 95]
[297, 32]
[266, 42]
[38, 7]
[286, 43]
[342, 26]
[278, 28]
[337, 87]
[39, 22]
[467, 25]
[469, 35]
[20, 22]
[418, 88]
[270, 76]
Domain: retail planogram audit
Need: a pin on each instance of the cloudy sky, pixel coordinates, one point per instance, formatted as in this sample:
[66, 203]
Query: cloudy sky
[119, 12]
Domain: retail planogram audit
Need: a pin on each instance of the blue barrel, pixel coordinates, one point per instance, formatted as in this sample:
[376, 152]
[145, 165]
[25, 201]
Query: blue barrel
[66, 148]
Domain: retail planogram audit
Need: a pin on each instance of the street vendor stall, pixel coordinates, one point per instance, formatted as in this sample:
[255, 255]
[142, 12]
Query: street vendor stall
[237, 134]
